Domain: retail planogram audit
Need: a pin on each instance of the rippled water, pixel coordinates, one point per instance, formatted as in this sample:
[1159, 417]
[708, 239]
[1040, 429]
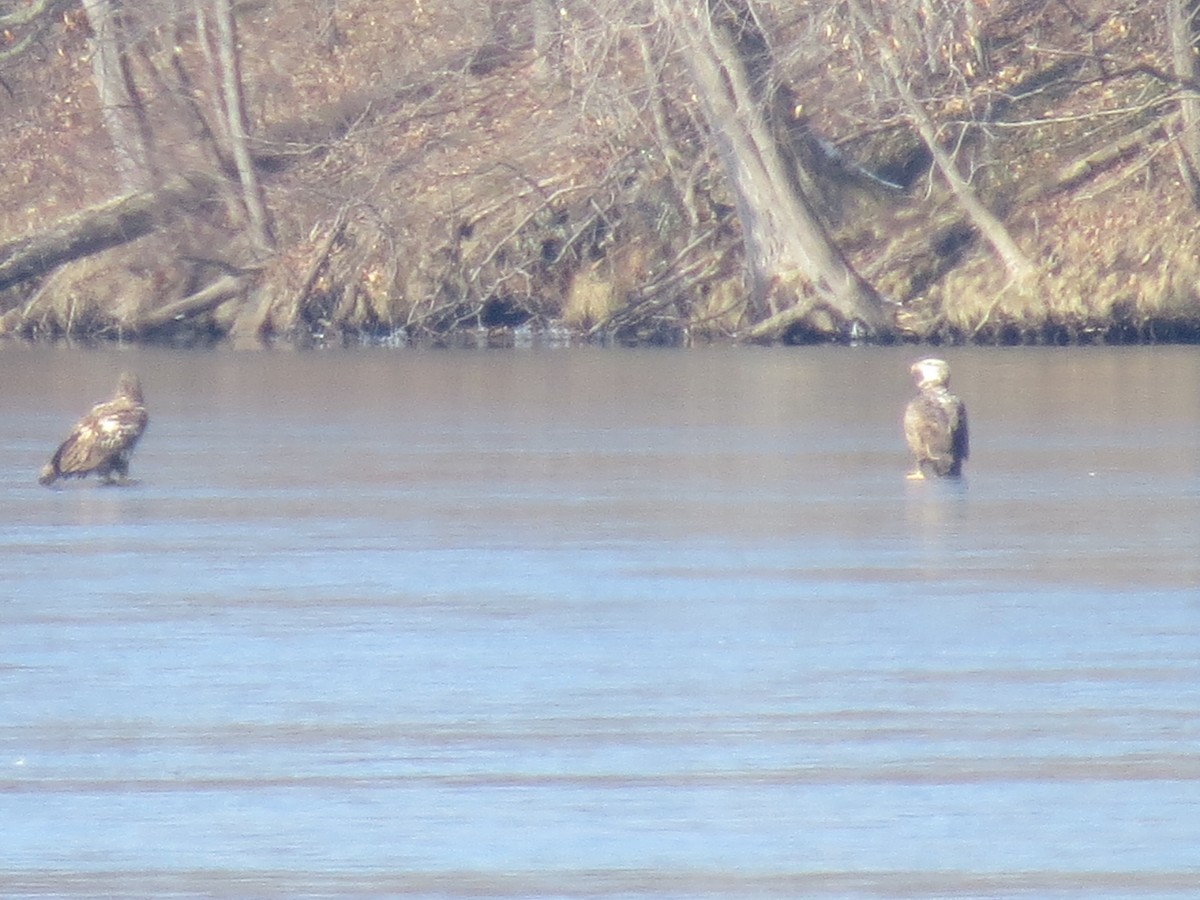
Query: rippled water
[583, 623]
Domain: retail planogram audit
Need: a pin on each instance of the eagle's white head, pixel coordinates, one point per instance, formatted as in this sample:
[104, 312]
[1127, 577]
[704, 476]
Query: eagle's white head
[931, 372]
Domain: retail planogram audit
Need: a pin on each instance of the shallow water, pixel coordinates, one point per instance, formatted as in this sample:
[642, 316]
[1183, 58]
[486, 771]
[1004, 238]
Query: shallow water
[582, 623]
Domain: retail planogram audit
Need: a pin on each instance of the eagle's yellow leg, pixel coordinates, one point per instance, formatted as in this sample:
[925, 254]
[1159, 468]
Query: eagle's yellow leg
[918, 475]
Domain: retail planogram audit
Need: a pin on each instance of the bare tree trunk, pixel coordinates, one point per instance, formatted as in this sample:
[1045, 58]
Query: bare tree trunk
[329, 36]
[797, 274]
[236, 122]
[120, 106]
[1182, 26]
[547, 38]
[992, 229]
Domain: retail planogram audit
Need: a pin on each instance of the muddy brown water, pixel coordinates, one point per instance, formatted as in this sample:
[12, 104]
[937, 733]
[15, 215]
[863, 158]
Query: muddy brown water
[580, 623]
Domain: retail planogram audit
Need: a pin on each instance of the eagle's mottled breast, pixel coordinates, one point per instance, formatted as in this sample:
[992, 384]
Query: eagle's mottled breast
[104, 439]
[935, 423]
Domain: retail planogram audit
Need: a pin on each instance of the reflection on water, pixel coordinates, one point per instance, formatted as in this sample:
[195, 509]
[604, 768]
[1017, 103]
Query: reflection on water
[624, 624]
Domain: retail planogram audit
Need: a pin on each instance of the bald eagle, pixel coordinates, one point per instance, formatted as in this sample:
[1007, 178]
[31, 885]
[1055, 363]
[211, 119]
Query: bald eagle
[103, 440]
[935, 423]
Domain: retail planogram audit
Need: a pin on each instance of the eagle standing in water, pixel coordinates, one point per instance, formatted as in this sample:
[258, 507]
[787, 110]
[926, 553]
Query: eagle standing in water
[104, 439]
[935, 423]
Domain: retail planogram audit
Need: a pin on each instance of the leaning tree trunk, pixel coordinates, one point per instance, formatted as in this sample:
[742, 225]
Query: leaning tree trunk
[92, 230]
[798, 276]
[988, 225]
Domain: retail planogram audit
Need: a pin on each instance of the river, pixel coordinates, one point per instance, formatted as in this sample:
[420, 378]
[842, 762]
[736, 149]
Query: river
[604, 624]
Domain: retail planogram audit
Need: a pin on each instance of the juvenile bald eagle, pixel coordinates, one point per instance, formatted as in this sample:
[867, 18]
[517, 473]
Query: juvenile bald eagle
[935, 423]
[104, 439]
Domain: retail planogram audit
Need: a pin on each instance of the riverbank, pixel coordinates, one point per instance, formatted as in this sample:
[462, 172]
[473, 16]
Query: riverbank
[428, 188]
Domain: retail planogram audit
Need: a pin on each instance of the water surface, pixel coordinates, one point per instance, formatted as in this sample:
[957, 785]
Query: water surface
[582, 623]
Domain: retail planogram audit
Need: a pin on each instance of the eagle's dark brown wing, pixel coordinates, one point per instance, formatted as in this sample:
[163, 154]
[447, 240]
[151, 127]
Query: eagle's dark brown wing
[101, 442]
[935, 425]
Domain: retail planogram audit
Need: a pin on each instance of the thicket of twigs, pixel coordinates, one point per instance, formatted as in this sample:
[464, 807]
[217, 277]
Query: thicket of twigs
[431, 179]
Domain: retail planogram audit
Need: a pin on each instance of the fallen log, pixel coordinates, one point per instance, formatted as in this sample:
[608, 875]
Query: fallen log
[108, 225]
[1098, 161]
[202, 301]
